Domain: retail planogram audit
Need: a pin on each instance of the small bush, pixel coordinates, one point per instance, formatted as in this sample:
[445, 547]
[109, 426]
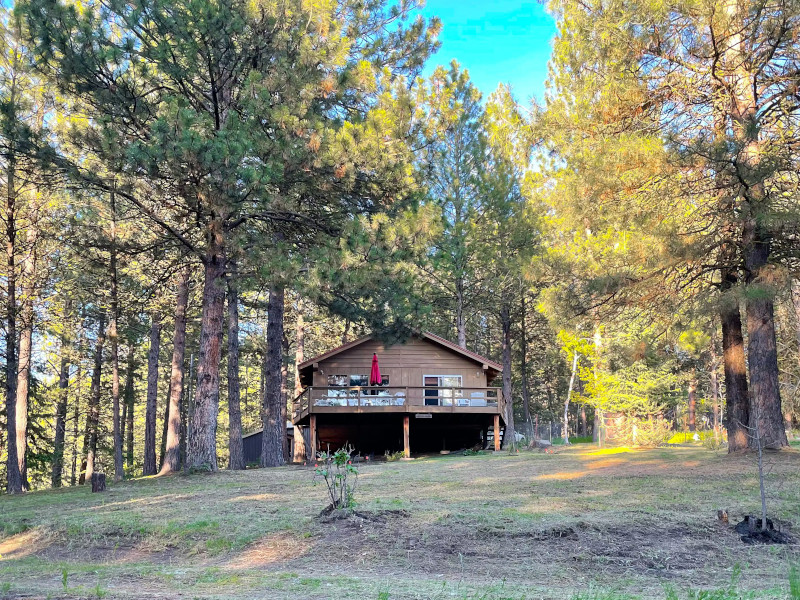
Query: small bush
[340, 476]
[471, 452]
[393, 456]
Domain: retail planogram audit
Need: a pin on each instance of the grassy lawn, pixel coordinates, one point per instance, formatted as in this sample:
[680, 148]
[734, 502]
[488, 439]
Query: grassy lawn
[580, 523]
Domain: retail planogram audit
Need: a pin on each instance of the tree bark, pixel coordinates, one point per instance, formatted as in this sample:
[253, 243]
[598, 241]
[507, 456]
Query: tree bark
[63, 397]
[509, 438]
[523, 339]
[737, 404]
[714, 377]
[151, 404]
[762, 349]
[461, 326]
[299, 450]
[119, 467]
[129, 399]
[172, 454]
[93, 411]
[25, 352]
[164, 428]
[235, 443]
[13, 474]
[272, 444]
[796, 305]
[73, 477]
[583, 420]
[692, 404]
[285, 396]
[762, 355]
[565, 434]
[202, 447]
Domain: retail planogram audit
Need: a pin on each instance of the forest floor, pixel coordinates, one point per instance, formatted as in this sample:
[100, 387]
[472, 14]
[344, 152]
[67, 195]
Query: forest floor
[580, 523]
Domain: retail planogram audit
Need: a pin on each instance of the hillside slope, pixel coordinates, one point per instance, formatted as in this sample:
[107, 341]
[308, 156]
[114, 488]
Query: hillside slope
[490, 526]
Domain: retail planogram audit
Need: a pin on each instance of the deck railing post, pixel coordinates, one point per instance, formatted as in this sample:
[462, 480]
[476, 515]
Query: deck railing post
[406, 436]
[312, 424]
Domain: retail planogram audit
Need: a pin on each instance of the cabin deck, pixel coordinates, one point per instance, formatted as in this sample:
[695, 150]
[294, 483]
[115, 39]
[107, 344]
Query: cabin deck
[391, 399]
[378, 418]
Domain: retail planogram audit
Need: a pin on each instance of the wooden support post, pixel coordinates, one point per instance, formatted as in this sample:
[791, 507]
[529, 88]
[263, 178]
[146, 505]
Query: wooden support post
[497, 433]
[312, 424]
[406, 432]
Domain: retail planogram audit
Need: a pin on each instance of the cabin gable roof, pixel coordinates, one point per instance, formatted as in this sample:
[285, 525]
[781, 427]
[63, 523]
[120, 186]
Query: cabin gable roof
[424, 335]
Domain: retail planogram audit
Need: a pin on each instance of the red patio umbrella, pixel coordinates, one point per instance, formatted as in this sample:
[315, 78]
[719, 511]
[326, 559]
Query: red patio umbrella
[375, 374]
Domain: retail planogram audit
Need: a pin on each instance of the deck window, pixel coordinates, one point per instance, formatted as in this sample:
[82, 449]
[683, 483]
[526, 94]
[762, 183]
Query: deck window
[447, 388]
[353, 380]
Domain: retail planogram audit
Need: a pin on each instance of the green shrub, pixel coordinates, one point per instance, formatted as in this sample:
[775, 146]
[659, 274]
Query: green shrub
[393, 456]
[340, 476]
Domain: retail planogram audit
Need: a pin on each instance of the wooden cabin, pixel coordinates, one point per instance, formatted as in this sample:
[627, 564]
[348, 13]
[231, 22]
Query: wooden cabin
[434, 396]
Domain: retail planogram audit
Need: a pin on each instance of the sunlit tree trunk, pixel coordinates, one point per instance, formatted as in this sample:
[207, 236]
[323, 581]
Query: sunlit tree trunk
[172, 456]
[762, 354]
[151, 403]
[28, 276]
[299, 451]
[13, 473]
[737, 404]
[692, 404]
[93, 410]
[202, 446]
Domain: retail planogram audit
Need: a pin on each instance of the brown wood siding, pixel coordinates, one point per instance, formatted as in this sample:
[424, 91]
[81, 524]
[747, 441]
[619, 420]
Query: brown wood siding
[405, 364]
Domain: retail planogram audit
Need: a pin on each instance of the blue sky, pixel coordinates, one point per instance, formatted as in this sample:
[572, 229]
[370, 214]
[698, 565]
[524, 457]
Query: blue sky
[498, 41]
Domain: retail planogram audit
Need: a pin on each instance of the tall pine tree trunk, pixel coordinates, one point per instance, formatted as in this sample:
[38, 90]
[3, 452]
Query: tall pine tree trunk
[63, 397]
[714, 379]
[151, 403]
[93, 410]
[762, 355]
[299, 450]
[172, 455]
[461, 326]
[202, 447]
[25, 352]
[692, 404]
[235, 443]
[272, 444]
[285, 395]
[526, 393]
[13, 475]
[113, 335]
[762, 349]
[73, 475]
[164, 428]
[129, 399]
[737, 404]
[509, 438]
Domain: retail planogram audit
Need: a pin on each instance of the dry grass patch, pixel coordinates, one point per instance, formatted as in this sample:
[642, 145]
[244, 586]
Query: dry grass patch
[488, 526]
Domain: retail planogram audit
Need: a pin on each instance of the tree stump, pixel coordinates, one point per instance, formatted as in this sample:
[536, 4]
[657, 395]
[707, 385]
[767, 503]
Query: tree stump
[98, 482]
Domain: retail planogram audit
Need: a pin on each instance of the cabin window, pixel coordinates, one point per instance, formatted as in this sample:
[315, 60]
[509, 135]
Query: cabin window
[447, 388]
[338, 380]
[353, 380]
[359, 380]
